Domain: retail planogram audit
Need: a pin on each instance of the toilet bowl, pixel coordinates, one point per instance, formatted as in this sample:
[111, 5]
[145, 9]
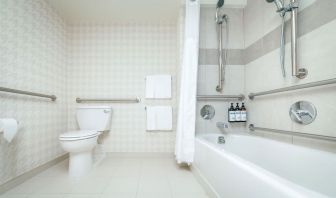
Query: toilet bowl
[80, 144]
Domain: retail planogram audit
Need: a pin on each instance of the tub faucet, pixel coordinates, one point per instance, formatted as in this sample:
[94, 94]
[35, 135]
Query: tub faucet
[222, 125]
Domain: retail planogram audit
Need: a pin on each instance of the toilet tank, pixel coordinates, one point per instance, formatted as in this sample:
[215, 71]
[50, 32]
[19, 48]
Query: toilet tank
[94, 117]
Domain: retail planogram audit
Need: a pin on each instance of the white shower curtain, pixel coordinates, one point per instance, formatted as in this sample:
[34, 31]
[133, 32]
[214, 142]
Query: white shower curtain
[185, 136]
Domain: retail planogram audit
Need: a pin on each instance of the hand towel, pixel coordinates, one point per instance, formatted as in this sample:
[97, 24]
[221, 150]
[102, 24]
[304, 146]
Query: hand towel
[159, 118]
[158, 86]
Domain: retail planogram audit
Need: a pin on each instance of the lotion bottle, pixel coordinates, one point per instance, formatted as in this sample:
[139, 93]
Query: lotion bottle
[243, 113]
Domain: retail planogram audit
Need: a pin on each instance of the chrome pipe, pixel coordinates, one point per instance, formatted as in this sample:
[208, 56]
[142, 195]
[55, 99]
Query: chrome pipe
[296, 71]
[111, 100]
[220, 97]
[16, 91]
[294, 133]
[295, 87]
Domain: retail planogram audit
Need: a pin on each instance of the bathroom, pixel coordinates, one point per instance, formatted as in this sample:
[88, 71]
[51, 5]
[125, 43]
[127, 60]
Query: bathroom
[138, 99]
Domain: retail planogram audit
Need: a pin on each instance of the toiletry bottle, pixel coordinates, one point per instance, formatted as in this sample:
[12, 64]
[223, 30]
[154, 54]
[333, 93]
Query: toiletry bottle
[232, 113]
[243, 113]
[237, 113]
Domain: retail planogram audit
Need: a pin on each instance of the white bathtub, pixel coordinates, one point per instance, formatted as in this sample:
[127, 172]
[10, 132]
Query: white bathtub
[254, 167]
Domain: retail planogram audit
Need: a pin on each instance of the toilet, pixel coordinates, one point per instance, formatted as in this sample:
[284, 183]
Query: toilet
[92, 121]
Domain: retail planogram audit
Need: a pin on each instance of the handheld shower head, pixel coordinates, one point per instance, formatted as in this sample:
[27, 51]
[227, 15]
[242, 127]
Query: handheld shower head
[279, 4]
[220, 3]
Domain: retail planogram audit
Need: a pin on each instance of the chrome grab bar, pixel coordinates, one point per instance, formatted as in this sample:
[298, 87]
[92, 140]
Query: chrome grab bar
[295, 87]
[314, 136]
[16, 91]
[220, 97]
[111, 100]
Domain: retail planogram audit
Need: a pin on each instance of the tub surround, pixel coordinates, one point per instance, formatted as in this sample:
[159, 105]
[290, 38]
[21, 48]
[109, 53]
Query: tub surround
[262, 65]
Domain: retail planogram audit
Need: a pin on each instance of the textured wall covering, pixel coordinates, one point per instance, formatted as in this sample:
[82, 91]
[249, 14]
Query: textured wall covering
[112, 60]
[32, 57]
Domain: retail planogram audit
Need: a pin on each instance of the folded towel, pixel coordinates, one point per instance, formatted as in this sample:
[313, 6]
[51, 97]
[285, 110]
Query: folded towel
[159, 118]
[158, 86]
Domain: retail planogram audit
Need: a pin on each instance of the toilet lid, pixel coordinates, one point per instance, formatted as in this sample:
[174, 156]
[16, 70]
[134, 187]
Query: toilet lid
[75, 135]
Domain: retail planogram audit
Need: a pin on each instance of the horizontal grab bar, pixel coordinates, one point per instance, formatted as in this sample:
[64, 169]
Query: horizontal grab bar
[112, 100]
[220, 97]
[16, 91]
[321, 137]
[295, 87]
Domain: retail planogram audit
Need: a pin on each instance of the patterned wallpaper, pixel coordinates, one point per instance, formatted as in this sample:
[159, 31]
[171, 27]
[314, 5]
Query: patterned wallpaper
[32, 57]
[112, 60]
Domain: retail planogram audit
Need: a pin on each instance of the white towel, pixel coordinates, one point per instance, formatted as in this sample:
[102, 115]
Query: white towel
[158, 86]
[159, 118]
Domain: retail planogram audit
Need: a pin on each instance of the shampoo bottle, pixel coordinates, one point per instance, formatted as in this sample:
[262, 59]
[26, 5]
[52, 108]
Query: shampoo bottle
[237, 113]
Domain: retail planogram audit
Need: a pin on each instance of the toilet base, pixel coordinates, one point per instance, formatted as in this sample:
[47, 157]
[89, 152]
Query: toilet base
[80, 163]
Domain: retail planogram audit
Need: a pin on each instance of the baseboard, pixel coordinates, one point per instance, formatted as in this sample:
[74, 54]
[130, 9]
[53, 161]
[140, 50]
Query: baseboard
[24, 177]
[204, 182]
[139, 155]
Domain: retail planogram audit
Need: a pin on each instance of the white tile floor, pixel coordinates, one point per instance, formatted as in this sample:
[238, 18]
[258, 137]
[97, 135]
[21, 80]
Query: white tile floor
[114, 178]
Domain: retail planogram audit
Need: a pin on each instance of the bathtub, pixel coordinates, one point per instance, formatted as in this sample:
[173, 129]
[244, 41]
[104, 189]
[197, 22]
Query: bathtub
[255, 167]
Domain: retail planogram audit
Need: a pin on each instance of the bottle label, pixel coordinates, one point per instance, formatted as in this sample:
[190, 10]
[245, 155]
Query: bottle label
[238, 116]
[232, 116]
[243, 116]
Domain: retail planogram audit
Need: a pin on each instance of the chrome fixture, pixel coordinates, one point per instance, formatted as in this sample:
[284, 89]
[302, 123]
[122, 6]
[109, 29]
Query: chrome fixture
[303, 112]
[295, 87]
[282, 10]
[221, 140]
[222, 125]
[220, 97]
[314, 136]
[207, 112]
[111, 100]
[3, 89]
[220, 18]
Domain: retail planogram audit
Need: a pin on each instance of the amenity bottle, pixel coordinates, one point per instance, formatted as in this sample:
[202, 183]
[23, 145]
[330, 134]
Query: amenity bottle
[237, 113]
[243, 113]
[232, 113]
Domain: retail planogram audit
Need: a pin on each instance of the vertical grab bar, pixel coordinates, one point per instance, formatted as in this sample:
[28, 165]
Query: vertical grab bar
[296, 71]
[219, 87]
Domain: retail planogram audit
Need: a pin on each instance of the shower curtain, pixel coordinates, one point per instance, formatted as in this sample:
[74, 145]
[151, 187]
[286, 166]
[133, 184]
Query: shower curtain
[185, 135]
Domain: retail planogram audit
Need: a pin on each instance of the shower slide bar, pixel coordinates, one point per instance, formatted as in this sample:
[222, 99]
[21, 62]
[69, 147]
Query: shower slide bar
[295, 87]
[220, 97]
[16, 91]
[313, 136]
[111, 100]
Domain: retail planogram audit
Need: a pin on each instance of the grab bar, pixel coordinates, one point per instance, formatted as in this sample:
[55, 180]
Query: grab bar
[112, 100]
[220, 97]
[4, 89]
[321, 137]
[295, 87]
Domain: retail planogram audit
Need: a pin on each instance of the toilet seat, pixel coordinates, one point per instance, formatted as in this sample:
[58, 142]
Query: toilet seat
[78, 135]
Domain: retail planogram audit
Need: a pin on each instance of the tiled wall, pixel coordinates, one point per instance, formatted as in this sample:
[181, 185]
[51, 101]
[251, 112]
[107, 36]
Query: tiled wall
[208, 68]
[112, 60]
[32, 58]
[317, 44]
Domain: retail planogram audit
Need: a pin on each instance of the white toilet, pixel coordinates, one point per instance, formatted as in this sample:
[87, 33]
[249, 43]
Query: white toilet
[92, 120]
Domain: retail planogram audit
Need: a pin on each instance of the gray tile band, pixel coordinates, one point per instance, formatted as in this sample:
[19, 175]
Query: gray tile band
[314, 16]
[210, 57]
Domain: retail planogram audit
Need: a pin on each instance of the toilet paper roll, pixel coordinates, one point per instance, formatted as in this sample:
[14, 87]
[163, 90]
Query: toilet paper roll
[9, 127]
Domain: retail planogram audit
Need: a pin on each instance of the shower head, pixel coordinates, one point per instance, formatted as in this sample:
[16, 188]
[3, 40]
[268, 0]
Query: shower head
[279, 4]
[220, 3]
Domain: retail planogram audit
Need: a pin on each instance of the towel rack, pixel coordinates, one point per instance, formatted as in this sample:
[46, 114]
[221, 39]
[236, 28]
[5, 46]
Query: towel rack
[112, 100]
[321, 137]
[220, 97]
[4, 89]
[295, 87]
